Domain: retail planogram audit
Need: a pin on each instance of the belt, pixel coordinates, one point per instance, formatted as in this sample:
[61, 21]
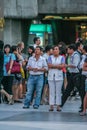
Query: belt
[36, 75]
[74, 73]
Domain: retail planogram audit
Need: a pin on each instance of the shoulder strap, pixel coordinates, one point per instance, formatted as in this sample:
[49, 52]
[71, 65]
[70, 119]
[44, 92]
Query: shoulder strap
[73, 56]
[79, 61]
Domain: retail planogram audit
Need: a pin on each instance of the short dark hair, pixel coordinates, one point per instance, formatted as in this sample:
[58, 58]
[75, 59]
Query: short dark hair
[55, 46]
[72, 46]
[48, 47]
[7, 45]
[13, 48]
[62, 47]
[31, 47]
[39, 47]
[35, 39]
[1, 44]
[78, 44]
[62, 50]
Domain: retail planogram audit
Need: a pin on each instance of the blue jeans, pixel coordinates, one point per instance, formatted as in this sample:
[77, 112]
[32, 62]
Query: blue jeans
[35, 82]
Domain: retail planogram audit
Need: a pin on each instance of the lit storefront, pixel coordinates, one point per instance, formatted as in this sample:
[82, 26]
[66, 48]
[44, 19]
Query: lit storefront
[44, 31]
[81, 31]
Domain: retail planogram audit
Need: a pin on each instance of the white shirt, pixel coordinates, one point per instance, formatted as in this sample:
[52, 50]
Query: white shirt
[35, 45]
[55, 73]
[40, 63]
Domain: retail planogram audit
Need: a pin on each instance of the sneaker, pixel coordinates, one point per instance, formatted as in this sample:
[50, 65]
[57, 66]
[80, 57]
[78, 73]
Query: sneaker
[10, 99]
[25, 107]
[35, 106]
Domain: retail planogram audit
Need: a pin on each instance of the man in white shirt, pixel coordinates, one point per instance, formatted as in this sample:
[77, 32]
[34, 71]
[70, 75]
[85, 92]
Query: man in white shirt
[37, 66]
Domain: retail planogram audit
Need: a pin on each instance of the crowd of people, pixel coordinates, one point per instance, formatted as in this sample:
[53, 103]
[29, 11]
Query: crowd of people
[47, 75]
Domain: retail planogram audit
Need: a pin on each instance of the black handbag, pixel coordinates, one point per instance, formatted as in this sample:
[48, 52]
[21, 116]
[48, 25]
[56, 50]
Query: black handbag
[18, 77]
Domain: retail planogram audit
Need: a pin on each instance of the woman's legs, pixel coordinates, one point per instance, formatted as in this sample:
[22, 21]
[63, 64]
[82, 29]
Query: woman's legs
[58, 93]
[84, 106]
[85, 103]
[20, 91]
[51, 94]
[15, 90]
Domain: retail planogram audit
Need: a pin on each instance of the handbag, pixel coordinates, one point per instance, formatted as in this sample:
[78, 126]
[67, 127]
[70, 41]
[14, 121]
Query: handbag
[16, 68]
[18, 76]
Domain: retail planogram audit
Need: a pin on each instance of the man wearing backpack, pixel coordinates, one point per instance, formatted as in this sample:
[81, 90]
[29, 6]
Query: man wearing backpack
[79, 48]
[74, 80]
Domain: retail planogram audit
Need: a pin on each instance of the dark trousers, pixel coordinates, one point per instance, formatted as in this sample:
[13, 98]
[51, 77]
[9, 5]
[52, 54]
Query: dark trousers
[0, 86]
[74, 80]
[7, 82]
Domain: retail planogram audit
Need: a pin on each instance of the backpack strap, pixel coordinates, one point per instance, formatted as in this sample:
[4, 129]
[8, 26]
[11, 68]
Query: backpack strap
[79, 61]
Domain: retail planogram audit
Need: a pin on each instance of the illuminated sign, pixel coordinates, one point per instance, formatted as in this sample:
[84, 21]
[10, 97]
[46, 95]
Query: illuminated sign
[40, 28]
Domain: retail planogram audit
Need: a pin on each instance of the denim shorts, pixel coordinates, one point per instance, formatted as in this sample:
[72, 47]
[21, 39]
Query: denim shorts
[17, 82]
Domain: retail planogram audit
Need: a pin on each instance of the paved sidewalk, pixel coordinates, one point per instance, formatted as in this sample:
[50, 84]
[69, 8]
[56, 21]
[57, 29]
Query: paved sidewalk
[15, 117]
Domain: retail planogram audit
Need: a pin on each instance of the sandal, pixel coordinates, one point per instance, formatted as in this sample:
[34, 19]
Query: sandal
[83, 114]
[51, 109]
[59, 110]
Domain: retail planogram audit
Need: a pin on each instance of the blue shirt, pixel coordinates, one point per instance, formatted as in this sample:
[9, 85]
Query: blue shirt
[7, 59]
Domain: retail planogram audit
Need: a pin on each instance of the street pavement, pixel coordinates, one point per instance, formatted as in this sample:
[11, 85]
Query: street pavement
[15, 117]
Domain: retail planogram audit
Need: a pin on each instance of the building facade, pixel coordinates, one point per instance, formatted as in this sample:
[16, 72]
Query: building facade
[18, 15]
